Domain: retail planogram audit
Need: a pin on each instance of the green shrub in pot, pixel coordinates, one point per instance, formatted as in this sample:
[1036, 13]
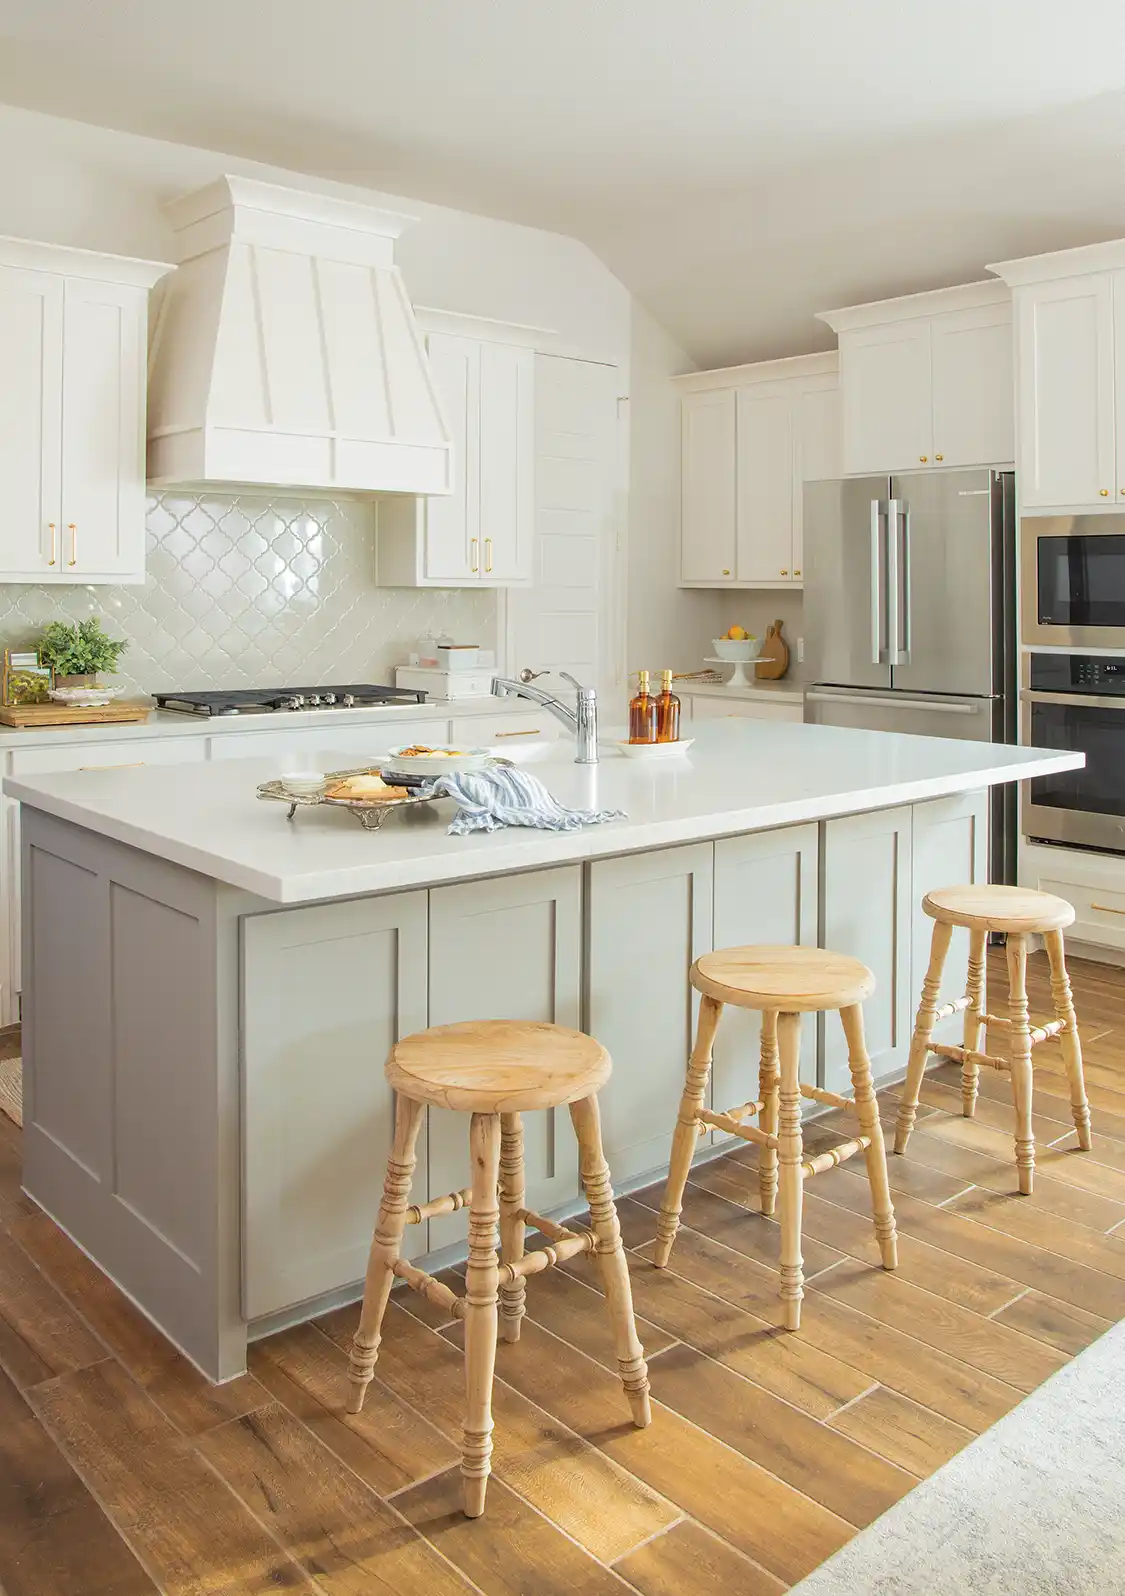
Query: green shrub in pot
[76, 653]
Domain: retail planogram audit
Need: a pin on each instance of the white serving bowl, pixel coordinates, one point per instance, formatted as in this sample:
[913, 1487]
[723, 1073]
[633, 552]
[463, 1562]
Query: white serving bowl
[303, 783]
[85, 697]
[741, 648]
[656, 750]
[434, 764]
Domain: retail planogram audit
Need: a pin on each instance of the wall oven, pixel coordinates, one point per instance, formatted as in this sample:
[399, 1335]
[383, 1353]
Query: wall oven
[1076, 702]
[1072, 570]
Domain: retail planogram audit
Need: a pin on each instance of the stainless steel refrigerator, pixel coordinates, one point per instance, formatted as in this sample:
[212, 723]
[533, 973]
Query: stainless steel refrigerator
[909, 613]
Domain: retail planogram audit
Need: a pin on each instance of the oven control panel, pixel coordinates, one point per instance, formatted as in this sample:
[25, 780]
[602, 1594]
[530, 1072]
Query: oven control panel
[1096, 675]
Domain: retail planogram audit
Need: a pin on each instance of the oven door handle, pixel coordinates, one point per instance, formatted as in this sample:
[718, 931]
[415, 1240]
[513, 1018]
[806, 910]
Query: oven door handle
[1034, 695]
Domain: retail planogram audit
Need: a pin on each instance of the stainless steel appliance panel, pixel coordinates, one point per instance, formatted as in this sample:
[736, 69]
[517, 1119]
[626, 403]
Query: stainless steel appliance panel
[1072, 579]
[947, 563]
[924, 715]
[1076, 703]
[847, 552]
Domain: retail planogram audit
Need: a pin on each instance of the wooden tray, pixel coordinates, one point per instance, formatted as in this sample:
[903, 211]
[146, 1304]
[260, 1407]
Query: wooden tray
[26, 715]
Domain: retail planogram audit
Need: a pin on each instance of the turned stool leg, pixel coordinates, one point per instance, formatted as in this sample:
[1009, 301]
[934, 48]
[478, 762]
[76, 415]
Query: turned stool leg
[790, 1154]
[615, 1271]
[512, 1228]
[923, 1031]
[867, 1112]
[386, 1247]
[1068, 1037]
[974, 1020]
[481, 1278]
[1020, 1056]
[769, 1082]
[686, 1134]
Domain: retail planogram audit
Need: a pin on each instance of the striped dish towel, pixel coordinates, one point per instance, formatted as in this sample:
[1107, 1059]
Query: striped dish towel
[487, 800]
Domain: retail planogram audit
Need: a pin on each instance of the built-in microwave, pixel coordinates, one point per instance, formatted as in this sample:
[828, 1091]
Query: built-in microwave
[1072, 570]
[1076, 703]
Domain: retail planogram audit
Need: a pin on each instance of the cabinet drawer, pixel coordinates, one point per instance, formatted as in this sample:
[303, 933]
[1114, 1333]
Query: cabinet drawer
[477, 730]
[107, 756]
[1099, 911]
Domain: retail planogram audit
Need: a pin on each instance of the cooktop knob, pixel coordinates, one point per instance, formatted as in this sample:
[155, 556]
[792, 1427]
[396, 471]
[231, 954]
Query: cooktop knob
[328, 698]
[348, 700]
[293, 702]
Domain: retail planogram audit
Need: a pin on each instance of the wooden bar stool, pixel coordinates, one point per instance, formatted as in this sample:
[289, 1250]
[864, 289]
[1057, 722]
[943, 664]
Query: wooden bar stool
[782, 984]
[494, 1070]
[1020, 913]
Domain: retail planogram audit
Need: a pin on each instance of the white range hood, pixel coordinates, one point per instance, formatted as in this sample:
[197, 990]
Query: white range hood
[286, 353]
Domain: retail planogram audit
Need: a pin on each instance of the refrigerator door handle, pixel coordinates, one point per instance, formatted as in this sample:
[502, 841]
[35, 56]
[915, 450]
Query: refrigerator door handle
[903, 656]
[939, 706]
[894, 578]
[878, 586]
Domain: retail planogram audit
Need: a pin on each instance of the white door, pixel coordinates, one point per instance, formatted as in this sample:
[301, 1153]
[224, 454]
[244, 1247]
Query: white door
[452, 529]
[507, 506]
[1119, 379]
[817, 454]
[885, 383]
[565, 619]
[765, 475]
[973, 395]
[1066, 404]
[707, 529]
[103, 431]
[31, 306]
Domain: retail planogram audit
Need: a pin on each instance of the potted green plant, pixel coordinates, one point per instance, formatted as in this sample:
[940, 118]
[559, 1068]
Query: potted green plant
[77, 653]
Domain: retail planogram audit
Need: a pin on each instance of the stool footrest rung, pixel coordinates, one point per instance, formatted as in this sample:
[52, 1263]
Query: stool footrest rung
[433, 1290]
[969, 1055]
[728, 1123]
[1040, 1033]
[834, 1156]
[947, 1010]
[532, 1263]
[830, 1099]
[451, 1204]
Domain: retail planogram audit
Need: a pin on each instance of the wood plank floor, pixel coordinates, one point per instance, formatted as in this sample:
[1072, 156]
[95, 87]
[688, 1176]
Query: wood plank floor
[122, 1471]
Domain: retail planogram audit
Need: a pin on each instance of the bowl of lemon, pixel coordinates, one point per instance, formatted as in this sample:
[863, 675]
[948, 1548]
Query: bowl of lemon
[737, 644]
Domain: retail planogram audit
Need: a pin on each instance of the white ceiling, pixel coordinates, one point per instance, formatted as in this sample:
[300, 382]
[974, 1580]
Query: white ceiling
[739, 163]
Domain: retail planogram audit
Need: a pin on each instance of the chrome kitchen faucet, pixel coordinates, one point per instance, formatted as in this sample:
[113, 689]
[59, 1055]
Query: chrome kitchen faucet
[581, 721]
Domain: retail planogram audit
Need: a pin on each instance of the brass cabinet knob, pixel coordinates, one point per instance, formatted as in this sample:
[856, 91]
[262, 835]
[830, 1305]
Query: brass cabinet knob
[939, 457]
[727, 573]
[1104, 493]
[784, 573]
[923, 458]
[796, 573]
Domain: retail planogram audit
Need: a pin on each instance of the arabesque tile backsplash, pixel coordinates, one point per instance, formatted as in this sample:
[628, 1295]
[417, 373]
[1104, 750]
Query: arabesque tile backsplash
[255, 591]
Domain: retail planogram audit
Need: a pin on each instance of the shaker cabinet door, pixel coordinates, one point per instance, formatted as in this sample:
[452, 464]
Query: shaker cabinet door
[950, 847]
[765, 475]
[452, 521]
[649, 919]
[507, 456]
[885, 383]
[973, 397]
[506, 949]
[319, 1115]
[31, 364]
[708, 548]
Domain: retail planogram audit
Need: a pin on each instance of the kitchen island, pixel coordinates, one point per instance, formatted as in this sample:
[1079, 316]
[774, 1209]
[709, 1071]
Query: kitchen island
[210, 989]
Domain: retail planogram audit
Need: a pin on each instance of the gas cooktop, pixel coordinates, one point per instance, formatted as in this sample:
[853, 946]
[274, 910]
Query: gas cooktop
[275, 700]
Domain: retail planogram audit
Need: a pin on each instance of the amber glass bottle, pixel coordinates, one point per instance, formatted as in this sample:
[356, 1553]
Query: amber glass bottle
[642, 714]
[667, 711]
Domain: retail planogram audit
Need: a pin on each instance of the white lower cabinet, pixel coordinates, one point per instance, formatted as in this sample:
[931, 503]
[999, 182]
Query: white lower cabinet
[318, 1113]
[506, 949]
[766, 890]
[650, 917]
[867, 912]
[950, 849]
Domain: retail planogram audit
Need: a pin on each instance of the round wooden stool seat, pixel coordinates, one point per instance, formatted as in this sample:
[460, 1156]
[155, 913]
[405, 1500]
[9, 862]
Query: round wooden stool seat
[998, 908]
[498, 1066]
[788, 980]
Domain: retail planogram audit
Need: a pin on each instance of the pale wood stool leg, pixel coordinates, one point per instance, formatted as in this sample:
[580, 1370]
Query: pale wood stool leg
[867, 1112]
[974, 1020]
[1020, 1058]
[686, 1134]
[1068, 1036]
[512, 1227]
[769, 1082]
[923, 1031]
[615, 1271]
[386, 1245]
[481, 1279]
[790, 1154]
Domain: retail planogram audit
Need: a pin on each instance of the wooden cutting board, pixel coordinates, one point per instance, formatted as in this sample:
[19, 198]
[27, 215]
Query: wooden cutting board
[28, 715]
[773, 661]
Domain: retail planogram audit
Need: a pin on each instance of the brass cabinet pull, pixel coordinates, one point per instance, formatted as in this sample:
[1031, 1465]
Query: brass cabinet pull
[132, 764]
[796, 573]
[73, 530]
[939, 457]
[534, 732]
[488, 554]
[923, 458]
[727, 573]
[54, 538]
[1104, 492]
[474, 560]
[784, 573]
[1106, 908]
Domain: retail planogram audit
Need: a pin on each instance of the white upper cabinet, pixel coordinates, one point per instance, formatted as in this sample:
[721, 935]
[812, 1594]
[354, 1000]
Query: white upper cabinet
[752, 436]
[481, 533]
[1070, 361]
[927, 380]
[73, 338]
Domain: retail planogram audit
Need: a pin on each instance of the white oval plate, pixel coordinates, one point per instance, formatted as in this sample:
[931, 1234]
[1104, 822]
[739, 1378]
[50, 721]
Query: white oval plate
[85, 697]
[656, 750]
[434, 764]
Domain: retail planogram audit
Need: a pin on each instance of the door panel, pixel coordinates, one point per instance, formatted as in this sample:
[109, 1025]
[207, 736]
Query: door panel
[707, 549]
[885, 383]
[1066, 398]
[946, 559]
[845, 608]
[974, 400]
[507, 511]
[765, 486]
[967, 719]
[30, 422]
[452, 520]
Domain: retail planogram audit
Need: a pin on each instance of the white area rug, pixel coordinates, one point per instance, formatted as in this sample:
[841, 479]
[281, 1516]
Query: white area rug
[1034, 1507]
[11, 1089]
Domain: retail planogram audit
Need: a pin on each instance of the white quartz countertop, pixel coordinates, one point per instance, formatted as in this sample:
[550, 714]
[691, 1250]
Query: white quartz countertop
[780, 692]
[740, 775]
